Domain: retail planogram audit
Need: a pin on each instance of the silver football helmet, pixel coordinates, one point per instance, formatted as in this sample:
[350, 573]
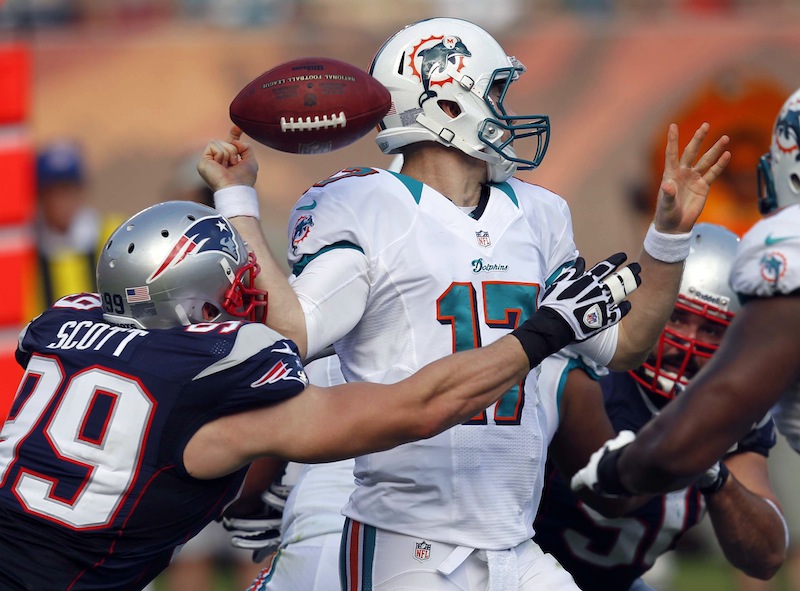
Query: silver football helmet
[705, 292]
[448, 59]
[779, 169]
[177, 263]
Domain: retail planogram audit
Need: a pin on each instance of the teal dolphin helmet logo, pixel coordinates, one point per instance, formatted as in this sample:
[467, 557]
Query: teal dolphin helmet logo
[432, 57]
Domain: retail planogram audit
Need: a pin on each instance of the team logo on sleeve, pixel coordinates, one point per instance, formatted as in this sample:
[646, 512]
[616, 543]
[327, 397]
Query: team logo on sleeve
[301, 230]
[773, 267]
[207, 235]
[422, 551]
[432, 60]
[280, 371]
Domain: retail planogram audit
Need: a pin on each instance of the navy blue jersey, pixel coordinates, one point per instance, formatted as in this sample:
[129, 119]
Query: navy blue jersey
[93, 491]
[605, 554]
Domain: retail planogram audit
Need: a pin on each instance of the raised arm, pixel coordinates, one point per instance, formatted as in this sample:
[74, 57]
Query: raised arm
[231, 166]
[684, 188]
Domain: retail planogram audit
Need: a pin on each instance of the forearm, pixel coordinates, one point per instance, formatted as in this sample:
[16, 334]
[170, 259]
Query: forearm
[287, 317]
[751, 531]
[652, 305]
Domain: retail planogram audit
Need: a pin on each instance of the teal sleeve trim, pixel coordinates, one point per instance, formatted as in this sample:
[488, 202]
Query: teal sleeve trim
[549, 281]
[298, 267]
[562, 382]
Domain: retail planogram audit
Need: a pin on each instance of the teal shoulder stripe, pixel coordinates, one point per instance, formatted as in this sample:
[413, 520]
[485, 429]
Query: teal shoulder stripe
[562, 382]
[413, 185]
[558, 272]
[506, 188]
[298, 267]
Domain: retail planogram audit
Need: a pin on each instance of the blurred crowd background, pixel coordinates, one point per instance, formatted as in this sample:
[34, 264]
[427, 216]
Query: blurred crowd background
[137, 87]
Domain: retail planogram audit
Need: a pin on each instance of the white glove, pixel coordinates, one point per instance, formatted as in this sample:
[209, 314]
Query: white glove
[592, 301]
[587, 476]
[260, 532]
[578, 305]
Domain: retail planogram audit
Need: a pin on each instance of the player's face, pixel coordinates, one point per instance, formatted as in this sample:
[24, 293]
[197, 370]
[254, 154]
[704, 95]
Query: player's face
[683, 330]
[494, 97]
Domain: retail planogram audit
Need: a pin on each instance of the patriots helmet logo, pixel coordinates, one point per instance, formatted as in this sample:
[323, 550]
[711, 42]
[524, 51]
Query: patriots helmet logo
[432, 59]
[212, 234]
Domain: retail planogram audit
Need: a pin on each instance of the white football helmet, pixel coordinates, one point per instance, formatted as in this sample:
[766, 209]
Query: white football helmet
[705, 292]
[162, 266]
[779, 169]
[448, 59]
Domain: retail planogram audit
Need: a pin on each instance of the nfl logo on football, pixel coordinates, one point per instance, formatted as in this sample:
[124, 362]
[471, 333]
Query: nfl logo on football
[483, 238]
[422, 551]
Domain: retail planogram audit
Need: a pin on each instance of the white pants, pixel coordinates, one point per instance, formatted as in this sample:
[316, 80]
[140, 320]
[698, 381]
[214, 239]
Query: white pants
[309, 565]
[380, 560]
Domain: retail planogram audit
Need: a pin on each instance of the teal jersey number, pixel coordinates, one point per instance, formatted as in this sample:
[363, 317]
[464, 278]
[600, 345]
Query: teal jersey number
[505, 305]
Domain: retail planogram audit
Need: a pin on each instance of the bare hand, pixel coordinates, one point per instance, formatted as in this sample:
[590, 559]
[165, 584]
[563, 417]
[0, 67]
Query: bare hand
[685, 184]
[228, 163]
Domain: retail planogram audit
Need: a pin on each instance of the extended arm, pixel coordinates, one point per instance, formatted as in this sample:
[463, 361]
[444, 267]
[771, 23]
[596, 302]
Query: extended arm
[325, 424]
[756, 363]
[746, 517]
[684, 188]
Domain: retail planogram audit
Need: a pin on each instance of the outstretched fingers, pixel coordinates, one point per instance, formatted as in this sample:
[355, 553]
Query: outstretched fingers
[693, 147]
[714, 161]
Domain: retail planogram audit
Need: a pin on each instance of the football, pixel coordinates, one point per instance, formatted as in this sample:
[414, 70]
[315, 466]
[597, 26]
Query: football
[310, 106]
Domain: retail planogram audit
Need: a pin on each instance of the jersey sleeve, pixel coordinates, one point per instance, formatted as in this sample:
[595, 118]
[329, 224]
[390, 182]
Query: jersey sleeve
[767, 260]
[349, 210]
[260, 368]
[553, 373]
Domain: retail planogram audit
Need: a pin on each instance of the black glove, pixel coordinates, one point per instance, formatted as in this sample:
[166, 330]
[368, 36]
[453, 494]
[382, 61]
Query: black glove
[260, 532]
[578, 305]
[713, 479]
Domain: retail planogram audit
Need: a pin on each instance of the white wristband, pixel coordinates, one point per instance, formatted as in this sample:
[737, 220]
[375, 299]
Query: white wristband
[237, 200]
[668, 248]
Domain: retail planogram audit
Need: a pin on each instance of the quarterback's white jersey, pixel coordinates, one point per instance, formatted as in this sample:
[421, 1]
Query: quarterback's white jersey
[768, 264]
[314, 507]
[442, 281]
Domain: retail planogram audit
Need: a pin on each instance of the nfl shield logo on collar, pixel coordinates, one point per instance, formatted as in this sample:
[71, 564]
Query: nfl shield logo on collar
[422, 551]
[483, 238]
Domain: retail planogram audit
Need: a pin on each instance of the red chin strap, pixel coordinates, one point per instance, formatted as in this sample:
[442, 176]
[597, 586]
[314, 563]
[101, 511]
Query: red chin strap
[245, 300]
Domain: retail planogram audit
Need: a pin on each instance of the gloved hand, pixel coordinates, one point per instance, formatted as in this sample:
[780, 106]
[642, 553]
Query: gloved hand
[578, 305]
[713, 479]
[590, 475]
[260, 532]
[592, 301]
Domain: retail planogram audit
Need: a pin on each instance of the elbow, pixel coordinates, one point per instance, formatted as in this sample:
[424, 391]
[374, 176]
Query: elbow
[763, 563]
[766, 568]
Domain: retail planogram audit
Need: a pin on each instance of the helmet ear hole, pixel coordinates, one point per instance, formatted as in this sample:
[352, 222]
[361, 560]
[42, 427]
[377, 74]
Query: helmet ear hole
[210, 312]
[450, 108]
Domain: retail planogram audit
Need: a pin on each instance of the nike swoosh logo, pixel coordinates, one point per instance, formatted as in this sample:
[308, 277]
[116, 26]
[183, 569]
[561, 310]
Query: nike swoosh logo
[312, 205]
[769, 240]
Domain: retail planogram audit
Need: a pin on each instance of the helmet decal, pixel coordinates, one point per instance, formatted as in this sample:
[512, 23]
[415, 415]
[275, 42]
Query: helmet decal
[211, 234]
[787, 130]
[429, 60]
[301, 230]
